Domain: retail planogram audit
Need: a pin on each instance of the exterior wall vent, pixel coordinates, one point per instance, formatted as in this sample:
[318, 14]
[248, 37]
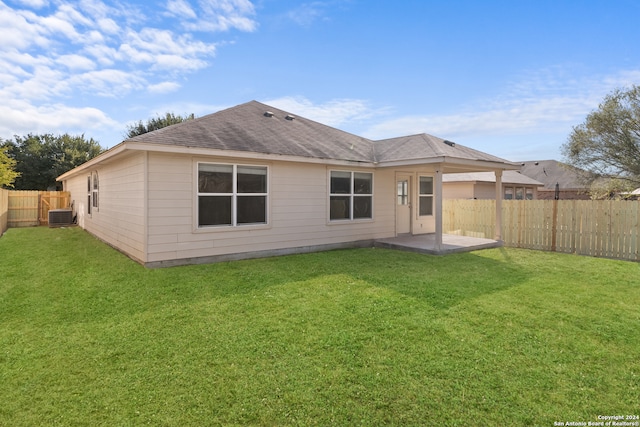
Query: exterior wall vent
[268, 114]
[60, 217]
[290, 117]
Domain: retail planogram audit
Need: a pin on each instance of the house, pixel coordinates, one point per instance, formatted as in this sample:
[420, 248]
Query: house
[482, 185]
[253, 181]
[560, 180]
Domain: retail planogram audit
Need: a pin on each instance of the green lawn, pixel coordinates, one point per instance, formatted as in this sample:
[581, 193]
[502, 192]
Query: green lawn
[355, 337]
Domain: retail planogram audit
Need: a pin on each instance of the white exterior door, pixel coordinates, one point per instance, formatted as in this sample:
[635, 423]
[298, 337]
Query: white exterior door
[403, 204]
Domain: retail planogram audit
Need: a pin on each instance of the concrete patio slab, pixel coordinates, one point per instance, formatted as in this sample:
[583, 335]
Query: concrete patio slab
[426, 243]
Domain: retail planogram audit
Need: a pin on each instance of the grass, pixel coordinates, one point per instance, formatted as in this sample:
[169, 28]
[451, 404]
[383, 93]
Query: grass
[357, 337]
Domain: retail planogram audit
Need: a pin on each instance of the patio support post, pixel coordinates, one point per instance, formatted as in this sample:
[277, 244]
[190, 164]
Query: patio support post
[438, 209]
[498, 232]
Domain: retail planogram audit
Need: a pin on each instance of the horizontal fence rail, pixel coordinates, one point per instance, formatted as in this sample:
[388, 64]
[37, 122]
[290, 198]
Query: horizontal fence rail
[600, 228]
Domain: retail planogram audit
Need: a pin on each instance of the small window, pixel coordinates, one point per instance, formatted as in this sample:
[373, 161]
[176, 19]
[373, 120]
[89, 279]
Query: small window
[508, 193]
[529, 193]
[231, 195]
[426, 196]
[89, 188]
[519, 193]
[351, 195]
[95, 190]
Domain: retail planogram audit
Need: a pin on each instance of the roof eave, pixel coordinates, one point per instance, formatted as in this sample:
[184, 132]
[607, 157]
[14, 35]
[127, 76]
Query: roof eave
[113, 151]
[475, 165]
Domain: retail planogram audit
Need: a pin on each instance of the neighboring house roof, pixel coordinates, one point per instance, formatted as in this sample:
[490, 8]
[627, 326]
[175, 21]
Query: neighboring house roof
[508, 177]
[551, 172]
[256, 128]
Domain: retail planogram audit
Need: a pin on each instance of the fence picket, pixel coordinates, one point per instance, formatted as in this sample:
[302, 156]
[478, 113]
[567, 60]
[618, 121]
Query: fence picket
[31, 208]
[600, 228]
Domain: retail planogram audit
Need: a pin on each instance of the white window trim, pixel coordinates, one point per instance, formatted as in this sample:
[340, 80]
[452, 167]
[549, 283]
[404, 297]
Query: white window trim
[351, 196]
[234, 195]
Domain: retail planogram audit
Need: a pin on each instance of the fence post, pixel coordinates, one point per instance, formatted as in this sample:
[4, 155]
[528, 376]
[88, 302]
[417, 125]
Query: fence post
[554, 225]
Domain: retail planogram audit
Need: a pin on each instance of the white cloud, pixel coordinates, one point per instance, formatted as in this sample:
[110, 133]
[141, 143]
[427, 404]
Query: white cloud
[307, 13]
[332, 113]
[54, 52]
[20, 118]
[180, 9]
[76, 62]
[34, 4]
[163, 87]
[223, 15]
[539, 102]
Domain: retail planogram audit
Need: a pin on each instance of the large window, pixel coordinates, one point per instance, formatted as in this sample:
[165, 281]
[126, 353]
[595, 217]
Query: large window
[351, 195]
[231, 195]
[426, 195]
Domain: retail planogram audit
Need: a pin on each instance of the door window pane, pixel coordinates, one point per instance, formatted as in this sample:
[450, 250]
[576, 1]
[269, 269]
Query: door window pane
[403, 193]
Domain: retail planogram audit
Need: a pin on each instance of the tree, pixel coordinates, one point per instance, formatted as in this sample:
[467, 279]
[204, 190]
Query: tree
[156, 123]
[40, 159]
[607, 144]
[7, 168]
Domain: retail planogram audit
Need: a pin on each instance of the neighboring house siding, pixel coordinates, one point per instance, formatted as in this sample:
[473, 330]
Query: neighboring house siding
[458, 190]
[119, 217]
[485, 190]
[481, 190]
[298, 200]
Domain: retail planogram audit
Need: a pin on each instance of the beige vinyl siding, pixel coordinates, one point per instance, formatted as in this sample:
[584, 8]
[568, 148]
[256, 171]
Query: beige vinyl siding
[119, 218]
[297, 213]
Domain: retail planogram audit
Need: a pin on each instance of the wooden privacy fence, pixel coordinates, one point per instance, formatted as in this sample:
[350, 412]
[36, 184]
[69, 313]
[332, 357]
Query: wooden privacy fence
[601, 228]
[30, 208]
[4, 210]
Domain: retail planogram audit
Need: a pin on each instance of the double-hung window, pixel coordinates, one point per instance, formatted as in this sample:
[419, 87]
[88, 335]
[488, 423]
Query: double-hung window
[231, 195]
[426, 196]
[351, 195]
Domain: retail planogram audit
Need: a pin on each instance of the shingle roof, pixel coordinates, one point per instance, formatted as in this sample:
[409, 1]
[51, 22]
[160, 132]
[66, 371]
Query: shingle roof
[424, 146]
[551, 172]
[248, 127]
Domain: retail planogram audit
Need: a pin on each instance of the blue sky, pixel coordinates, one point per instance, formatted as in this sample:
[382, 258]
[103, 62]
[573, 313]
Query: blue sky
[507, 77]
